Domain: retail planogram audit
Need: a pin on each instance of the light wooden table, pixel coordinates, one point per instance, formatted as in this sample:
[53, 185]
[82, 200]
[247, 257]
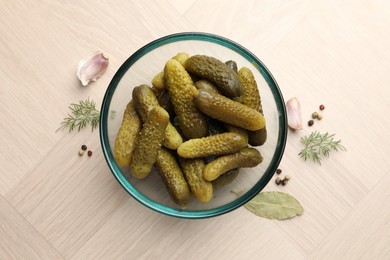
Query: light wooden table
[57, 205]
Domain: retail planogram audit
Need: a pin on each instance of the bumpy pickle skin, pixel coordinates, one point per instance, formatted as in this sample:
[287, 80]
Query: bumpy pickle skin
[145, 101]
[173, 177]
[251, 98]
[219, 144]
[229, 111]
[158, 79]
[217, 72]
[246, 157]
[193, 171]
[225, 179]
[182, 90]
[126, 139]
[150, 141]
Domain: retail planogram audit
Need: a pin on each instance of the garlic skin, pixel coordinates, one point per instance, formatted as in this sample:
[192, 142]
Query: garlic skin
[294, 116]
[91, 68]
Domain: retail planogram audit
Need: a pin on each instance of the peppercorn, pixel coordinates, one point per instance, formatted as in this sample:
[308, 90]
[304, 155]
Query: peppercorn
[314, 115]
[84, 147]
[81, 152]
[278, 180]
[284, 181]
[278, 171]
[89, 153]
[322, 107]
[311, 122]
[319, 117]
[287, 177]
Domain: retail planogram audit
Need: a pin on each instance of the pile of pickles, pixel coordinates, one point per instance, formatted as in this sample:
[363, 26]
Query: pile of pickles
[196, 125]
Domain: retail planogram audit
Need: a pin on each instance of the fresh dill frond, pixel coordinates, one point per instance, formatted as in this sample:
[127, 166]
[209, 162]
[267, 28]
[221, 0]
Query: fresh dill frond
[82, 114]
[318, 145]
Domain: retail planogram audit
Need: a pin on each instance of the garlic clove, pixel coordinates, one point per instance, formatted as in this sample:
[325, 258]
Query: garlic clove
[294, 116]
[91, 68]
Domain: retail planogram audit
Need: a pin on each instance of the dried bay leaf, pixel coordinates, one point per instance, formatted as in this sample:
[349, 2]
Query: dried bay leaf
[275, 205]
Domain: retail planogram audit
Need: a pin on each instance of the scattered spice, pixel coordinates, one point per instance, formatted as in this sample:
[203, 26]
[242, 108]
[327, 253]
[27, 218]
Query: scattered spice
[89, 153]
[319, 117]
[287, 177]
[81, 152]
[278, 171]
[278, 180]
[322, 107]
[284, 181]
[84, 147]
[311, 122]
[314, 115]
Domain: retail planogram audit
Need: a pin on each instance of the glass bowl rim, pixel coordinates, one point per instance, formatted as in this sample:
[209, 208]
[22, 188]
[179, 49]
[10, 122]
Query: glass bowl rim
[196, 214]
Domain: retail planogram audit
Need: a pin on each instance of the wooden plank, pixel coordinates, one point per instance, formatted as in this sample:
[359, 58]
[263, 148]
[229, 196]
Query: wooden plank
[19, 239]
[136, 232]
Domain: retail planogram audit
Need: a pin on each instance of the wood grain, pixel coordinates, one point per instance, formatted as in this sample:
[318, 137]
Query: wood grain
[19, 239]
[57, 205]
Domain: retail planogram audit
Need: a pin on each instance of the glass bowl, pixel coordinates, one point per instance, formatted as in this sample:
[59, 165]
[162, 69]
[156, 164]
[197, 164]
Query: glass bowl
[139, 69]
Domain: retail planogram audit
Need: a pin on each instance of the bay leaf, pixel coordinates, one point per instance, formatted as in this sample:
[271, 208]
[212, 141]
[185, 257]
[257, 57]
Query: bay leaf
[275, 205]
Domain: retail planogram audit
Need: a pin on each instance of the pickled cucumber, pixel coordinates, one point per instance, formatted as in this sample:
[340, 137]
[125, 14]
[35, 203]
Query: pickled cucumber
[232, 64]
[237, 130]
[173, 177]
[145, 101]
[164, 99]
[181, 89]
[225, 179]
[229, 111]
[246, 157]
[150, 141]
[158, 79]
[251, 98]
[212, 145]
[206, 85]
[193, 171]
[126, 138]
[217, 72]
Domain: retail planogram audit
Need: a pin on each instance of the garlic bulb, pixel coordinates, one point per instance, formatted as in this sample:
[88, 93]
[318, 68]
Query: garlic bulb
[294, 116]
[91, 68]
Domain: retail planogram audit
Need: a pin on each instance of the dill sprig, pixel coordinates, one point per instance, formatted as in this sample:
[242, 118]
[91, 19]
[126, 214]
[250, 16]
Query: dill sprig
[81, 115]
[318, 145]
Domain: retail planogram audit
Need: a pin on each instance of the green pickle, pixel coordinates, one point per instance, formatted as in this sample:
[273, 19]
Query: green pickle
[126, 139]
[173, 177]
[229, 111]
[217, 72]
[219, 144]
[206, 85]
[246, 157]
[182, 90]
[145, 101]
[150, 141]
[225, 179]
[251, 98]
[232, 64]
[193, 171]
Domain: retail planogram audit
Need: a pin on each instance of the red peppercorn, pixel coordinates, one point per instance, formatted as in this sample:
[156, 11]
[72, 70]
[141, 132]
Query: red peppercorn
[89, 153]
[322, 107]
